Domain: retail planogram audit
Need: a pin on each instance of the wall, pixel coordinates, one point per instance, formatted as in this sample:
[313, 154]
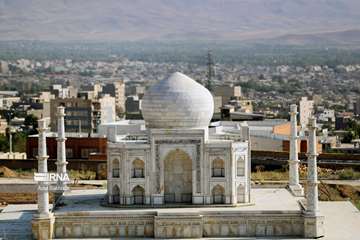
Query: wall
[302, 146]
[266, 144]
[76, 144]
[76, 110]
[226, 92]
[107, 107]
[199, 224]
[75, 164]
[282, 129]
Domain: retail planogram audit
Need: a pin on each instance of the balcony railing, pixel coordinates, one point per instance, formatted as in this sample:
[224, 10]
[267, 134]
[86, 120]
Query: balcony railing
[138, 173]
[116, 199]
[168, 198]
[171, 198]
[116, 173]
[218, 199]
[138, 199]
[218, 172]
[186, 198]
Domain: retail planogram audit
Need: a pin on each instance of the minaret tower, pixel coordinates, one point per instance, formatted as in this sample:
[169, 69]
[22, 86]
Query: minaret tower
[294, 183]
[43, 222]
[43, 188]
[313, 221]
[312, 201]
[61, 151]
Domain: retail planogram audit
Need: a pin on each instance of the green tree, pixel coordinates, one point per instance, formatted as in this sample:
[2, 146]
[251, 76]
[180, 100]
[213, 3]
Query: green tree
[348, 136]
[31, 122]
[4, 143]
[19, 142]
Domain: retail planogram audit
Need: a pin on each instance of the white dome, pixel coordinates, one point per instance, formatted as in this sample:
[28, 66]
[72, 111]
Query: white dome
[177, 102]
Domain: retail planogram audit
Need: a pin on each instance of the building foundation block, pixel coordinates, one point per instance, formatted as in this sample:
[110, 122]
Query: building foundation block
[314, 226]
[43, 227]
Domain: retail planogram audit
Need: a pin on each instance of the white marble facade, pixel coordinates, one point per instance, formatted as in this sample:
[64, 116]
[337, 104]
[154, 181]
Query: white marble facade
[175, 156]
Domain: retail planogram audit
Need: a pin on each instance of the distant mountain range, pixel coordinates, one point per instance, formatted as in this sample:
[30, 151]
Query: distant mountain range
[283, 21]
[348, 37]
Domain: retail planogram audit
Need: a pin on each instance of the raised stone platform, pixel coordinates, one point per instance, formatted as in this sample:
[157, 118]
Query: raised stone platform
[274, 213]
[15, 220]
[179, 224]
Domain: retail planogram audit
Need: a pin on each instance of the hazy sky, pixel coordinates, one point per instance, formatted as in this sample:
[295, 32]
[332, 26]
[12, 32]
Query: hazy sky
[172, 19]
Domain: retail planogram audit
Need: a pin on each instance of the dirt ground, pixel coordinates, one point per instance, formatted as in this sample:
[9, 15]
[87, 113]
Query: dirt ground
[334, 192]
[20, 198]
[27, 198]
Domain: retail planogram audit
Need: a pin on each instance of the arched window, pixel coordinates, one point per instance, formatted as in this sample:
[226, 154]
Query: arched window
[218, 196]
[240, 193]
[116, 194]
[240, 166]
[138, 195]
[218, 168]
[138, 168]
[115, 168]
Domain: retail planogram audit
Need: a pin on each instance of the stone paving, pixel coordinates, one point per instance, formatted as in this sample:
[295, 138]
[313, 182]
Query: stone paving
[276, 199]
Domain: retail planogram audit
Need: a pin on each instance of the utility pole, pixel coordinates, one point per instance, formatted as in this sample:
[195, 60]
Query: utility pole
[211, 71]
[10, 140]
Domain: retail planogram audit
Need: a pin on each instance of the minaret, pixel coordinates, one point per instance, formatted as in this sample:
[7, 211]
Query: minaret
[312, 178]
[294, 185]
[313, 221]
[43, 222]
[43, 190]
[61, 150]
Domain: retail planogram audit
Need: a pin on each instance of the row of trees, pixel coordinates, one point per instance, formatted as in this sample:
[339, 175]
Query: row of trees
[20, 135]
[353, 131]
[193, 52]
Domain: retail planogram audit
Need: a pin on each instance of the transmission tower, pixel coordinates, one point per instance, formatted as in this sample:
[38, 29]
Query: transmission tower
[211, 71]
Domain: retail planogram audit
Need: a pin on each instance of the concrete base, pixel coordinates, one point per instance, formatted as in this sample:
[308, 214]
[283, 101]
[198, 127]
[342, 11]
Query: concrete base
[314, 226]
[43, 227]
[296, 190]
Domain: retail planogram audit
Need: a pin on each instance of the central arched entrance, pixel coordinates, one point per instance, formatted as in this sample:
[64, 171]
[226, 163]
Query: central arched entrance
[178, 177]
